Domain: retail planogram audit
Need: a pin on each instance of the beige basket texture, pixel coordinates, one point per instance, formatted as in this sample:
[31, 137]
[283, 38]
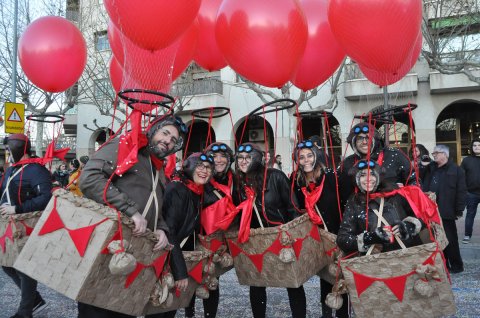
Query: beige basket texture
[216, 244]
[53, 259]
[277, 271]
[163, 298]
[377, 300]
[333, 252]
[13, 235]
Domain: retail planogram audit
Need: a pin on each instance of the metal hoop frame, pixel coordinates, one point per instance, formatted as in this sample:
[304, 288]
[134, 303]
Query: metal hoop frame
[42, 118]
[197, 112]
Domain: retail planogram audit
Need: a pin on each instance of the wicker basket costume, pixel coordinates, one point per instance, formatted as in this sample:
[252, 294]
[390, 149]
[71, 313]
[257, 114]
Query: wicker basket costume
[67, 252]
[329, 272]
[283, 256]
[15, 230]
[216, 245]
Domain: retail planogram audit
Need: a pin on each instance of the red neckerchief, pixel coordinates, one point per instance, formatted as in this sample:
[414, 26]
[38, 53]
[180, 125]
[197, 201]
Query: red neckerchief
[311, 198]
[195, 188]
[424, 208]
[157, 163]
[50, 153]
[226, 189]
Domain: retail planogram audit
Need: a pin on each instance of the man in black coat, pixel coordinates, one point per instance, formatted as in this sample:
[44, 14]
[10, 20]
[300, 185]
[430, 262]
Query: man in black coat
[471, 165]
[447, 181]
[26, 188]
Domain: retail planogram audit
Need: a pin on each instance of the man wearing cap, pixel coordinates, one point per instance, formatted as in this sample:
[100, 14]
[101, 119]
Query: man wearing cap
[130, 192]
[367, 144]
[26, 188]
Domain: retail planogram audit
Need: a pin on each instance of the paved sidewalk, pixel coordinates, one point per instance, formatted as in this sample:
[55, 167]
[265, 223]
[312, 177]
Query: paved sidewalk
[234, 301]
[471, 250]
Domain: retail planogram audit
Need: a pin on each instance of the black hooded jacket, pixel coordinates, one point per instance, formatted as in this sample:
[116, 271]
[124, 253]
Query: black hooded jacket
[278, 200]
[471, 165]
[327, 204]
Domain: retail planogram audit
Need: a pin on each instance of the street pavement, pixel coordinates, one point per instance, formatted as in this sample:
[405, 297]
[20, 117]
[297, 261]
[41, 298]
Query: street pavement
[234, 300]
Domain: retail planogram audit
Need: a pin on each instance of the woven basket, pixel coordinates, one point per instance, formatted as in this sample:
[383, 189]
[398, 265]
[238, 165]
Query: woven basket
[54, 260]
[14, 233]
[275, 272]
[216, 244]
[378, 300]
[173, 302]
[329, 272]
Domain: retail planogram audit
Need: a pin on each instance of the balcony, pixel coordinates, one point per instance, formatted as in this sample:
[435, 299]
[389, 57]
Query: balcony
[198, 87]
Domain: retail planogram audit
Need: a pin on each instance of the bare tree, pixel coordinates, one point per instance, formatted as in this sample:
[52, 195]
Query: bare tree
[451, 31]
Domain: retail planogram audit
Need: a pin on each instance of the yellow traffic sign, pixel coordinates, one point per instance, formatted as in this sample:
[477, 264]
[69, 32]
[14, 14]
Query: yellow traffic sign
[14, 118]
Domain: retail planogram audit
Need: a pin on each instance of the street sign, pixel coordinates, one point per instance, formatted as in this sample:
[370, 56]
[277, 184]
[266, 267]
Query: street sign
[14, 118]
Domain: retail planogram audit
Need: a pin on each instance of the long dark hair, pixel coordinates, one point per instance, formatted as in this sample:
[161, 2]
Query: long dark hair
[423, 151]
[252, 179]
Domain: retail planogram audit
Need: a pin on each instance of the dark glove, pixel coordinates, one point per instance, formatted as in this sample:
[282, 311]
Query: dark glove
[406, 229]
[459, 214]
[379, 236]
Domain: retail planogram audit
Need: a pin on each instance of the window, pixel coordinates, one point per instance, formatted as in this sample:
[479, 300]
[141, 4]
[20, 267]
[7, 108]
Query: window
[101, 41]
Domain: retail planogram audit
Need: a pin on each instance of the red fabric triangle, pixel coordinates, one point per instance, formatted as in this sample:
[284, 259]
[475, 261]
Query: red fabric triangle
[397, 285]
[159, 263]
[362, 282]
[297, 247]
[81, 236]
[276, 247]
[115, 237]
[215, 245]
[8, 234]
[196, 272]
[257, 260]
[430, 260]
[28, 229]
[331, 251]
[131, 277]
[234, 249]
[315, 234]
[53, 222]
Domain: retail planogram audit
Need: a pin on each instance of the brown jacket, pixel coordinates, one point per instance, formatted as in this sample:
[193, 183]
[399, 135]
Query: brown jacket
[128, 193]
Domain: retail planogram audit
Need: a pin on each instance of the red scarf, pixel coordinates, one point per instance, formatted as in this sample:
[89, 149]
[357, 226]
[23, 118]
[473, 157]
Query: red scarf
[157, 163]
[424, 208]
[311, 198]
[195, 188]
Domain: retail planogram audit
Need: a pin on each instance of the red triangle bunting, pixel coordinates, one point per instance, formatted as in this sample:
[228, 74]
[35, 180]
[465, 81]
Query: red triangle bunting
[215, 245]
[257, 260]
[53, 222]
[276, 247]
[397, 285]
[115, 237]
[131, 277]
[314, 233]
[430, 260]
[196, 272]
[8, 234]
[234, 249]
[81, 236]
[362, 282]
[28, 229]
[159, 263]
[297, 247]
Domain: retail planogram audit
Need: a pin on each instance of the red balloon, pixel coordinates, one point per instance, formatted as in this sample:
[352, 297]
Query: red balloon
[388, 78]
[323, 55]
[376, 34]
[116, 74]
[262, 40]
[186, 49]
[152, 24]
[115, 40]
[208, 54]
[52, 53]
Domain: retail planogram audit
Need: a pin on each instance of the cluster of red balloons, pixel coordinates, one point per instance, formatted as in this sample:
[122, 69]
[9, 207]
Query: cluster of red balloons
[52, 53]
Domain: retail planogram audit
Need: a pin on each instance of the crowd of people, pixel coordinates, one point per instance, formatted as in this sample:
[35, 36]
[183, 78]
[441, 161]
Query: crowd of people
[359, 200]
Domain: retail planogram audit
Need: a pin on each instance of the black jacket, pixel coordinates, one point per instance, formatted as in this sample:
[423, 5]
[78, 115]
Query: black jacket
[61, 176]
[396, 208]
[396, 165]
[278, 200]
[35, 188]
[471, 165]
[327, 204]
[452, 191]
[181, 208]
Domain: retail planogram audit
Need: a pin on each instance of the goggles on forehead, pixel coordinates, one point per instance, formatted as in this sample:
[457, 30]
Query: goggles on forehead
[305, 144]
[245, 148]
[363, 164]
[221, 147]
[183, 128]
[205, 158]
[363, 129]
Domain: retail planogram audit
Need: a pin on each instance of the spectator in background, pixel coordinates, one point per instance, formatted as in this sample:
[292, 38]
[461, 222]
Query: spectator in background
[471, 165]
[447, 181]
[61, 175]
[83, 161]
[278, 162]
[75, 170]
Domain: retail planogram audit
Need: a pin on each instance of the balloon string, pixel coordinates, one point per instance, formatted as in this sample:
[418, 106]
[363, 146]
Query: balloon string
[188, 139]
[414, 145]
[243, 130]
[233, 131]
[347, 145]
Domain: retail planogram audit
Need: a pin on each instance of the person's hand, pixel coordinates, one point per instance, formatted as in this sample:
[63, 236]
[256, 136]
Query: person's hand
[182, 284]
[379, 236]
[7, 209]
[162, 240]
[404, 230]
[140, 224]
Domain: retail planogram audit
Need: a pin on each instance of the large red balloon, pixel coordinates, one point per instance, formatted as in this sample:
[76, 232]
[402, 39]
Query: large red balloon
[152, 24]
[262, 40]
[186, 50]
[115, 40]
[323, 55]
[208, 54]
[376, 34]
[388, 78]
[52, 53]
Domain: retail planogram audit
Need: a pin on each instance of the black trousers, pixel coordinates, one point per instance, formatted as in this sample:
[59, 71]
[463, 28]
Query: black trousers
[296, 297]
[28, 288]
[327, 312]
[89, 311]
[452, 251]
[210, 305]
